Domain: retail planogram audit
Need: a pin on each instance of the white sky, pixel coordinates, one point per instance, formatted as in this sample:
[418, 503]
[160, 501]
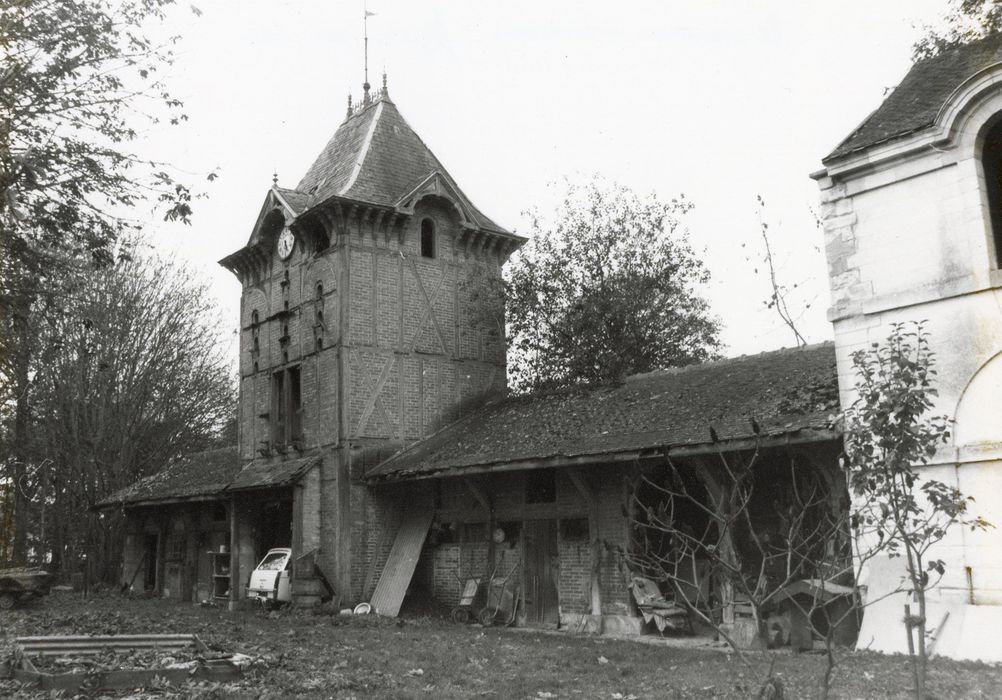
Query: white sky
[719, 100]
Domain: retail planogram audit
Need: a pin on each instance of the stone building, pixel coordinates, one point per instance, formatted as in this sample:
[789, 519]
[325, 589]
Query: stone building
[375, 437]
[912, 211]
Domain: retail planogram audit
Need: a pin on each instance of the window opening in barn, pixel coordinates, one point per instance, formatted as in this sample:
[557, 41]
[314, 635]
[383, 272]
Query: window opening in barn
[286, 406]
[278, 408]
[511, 530]
[443, 533]
[473, 532]
[991, 162]
[320, 292]
[574, 530]
[295, 404]
[540, 486]
[427, 238]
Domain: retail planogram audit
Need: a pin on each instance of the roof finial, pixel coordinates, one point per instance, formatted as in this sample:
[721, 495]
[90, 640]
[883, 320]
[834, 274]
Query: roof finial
[365, 29]
[349, 106]
[386, 92]
[274, 178]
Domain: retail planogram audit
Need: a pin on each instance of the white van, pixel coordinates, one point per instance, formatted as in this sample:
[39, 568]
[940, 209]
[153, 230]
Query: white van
[270, 581]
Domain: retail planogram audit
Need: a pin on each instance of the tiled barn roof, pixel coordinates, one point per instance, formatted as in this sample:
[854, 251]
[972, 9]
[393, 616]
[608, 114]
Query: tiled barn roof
[262, 473]
[375, 157]
[207, 475]
[785, 392]
[198, 475]
[914, 103]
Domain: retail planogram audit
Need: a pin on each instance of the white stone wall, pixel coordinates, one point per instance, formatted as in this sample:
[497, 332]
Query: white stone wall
[908, 238]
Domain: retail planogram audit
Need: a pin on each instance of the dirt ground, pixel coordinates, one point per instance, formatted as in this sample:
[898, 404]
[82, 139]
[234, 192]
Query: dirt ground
[318, 654]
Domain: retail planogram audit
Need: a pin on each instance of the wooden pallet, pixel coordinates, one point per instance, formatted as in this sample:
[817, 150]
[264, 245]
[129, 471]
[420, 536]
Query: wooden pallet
[218, 670]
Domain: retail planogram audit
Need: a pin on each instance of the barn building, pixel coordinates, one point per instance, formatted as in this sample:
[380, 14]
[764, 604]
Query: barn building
[376, 438]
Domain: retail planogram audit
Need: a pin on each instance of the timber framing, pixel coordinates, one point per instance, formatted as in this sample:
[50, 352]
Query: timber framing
[800, 437]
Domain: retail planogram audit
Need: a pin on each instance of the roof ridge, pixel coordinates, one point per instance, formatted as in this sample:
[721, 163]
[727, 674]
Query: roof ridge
[363, 151]
[732, 360]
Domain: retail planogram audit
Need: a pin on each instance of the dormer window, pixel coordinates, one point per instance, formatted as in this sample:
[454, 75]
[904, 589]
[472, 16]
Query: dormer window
[427, 238]
[991, 162]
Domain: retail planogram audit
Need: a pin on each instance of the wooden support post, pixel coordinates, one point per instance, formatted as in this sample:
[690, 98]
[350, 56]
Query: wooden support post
[234, 556]
[592, 502]
[727, 551]
[484, 500]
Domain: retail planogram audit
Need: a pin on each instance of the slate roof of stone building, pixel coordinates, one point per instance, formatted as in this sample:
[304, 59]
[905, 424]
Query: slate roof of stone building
[785, 392]
[198, 475]
[377, 158]
[915, 102]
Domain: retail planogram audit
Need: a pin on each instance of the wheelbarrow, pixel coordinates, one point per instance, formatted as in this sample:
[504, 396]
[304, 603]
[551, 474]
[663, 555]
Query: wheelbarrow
[502, 600]
[463, 612]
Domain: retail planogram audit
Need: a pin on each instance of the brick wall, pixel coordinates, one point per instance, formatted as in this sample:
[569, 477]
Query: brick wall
[400, 346]
[440, 565]
[308, 494]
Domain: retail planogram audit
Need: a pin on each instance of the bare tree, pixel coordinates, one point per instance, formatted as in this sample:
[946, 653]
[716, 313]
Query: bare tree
[80, 80]
[131, 375]
[753, 545]
[782, 298]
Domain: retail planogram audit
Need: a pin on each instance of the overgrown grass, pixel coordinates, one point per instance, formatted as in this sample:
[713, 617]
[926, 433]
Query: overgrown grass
[326, 655]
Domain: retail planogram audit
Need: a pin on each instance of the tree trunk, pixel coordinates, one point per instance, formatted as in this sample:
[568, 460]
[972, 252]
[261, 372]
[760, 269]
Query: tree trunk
[19, 439]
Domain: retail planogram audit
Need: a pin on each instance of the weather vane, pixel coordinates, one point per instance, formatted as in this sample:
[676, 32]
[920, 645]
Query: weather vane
[365, 32]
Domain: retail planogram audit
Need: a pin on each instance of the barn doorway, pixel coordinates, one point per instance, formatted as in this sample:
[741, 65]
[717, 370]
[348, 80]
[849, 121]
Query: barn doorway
[150, 561]
[542, 572]
[274, 525]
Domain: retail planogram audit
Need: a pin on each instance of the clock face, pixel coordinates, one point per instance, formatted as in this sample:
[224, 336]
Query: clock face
[286, 242]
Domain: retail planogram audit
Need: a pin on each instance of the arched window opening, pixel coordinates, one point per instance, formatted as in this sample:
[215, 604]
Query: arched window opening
[255, 319]
[320, 317]
[991, 162]
[427, 238]
[320, 291]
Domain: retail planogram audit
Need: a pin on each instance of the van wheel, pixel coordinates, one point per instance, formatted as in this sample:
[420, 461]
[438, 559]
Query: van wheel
[460, 616]
[487, 617]
[6, 601]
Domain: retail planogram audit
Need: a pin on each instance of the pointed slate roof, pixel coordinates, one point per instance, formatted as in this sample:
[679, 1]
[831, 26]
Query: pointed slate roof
[791, 394]
[915, 102]
[376, 157]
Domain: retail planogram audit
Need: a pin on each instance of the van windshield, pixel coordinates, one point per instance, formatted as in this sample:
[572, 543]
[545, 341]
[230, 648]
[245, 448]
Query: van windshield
[273, 562]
